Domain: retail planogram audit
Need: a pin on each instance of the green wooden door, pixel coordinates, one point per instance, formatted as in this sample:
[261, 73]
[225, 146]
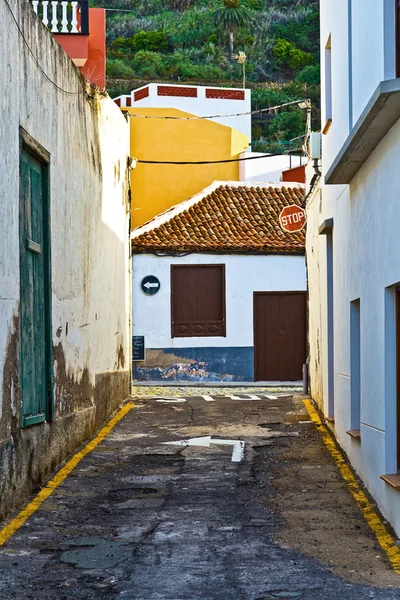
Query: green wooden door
[34, 276]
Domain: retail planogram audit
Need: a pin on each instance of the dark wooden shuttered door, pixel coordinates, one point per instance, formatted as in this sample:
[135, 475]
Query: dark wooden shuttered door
[279, 336]
[198, 300]
[33, 289]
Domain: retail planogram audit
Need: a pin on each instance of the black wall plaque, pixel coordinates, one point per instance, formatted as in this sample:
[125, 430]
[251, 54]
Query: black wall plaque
[138, 351]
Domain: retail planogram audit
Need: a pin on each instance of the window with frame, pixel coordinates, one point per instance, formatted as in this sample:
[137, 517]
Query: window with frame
[198, 300]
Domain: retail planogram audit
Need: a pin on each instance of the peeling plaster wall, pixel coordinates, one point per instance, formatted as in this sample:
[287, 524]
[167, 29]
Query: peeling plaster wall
[317, 297]
[88, 141]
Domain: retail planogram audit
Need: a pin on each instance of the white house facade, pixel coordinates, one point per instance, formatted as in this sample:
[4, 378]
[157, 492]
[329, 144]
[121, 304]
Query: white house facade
[353, 246]
[230, 289]
[227, 106]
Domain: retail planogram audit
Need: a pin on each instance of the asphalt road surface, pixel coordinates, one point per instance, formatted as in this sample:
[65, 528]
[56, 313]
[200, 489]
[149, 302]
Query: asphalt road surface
[247, 505]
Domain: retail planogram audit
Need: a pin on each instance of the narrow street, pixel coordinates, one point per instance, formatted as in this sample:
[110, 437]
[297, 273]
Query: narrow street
[141, 518]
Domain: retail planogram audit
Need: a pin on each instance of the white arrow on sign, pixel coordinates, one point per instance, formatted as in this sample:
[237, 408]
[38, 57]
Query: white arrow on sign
[149, 285]
[205, 442]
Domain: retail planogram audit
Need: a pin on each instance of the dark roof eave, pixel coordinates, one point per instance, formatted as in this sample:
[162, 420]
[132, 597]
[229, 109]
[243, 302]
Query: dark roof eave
[167, 250]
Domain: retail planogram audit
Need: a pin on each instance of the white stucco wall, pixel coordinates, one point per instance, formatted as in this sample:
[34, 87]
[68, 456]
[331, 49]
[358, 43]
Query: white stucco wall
[244, 275]
[366, 249]
[366, 266]
[88, 141]
[267, 168]
[367, 51]
[202, 106]
[362, 51]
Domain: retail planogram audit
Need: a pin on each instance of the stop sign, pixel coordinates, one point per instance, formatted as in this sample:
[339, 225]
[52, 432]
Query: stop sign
[292, 218]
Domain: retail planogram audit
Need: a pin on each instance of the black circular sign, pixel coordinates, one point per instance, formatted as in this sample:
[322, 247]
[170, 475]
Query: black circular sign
[150, 285]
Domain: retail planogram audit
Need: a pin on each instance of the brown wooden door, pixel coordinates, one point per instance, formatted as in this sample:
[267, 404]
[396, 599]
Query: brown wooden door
[279, 335]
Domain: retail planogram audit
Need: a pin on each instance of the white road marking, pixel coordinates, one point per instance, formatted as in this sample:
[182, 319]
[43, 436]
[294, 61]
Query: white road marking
[238, 448]
[170, 399]
[208, 398]
[206, 441]
[249, 397]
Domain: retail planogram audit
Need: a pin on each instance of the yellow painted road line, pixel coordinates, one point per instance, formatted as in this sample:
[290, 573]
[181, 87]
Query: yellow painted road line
[384, 538]
[53, 484]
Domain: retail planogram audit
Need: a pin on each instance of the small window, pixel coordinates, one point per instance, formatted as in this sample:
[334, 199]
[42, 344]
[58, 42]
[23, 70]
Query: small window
[355, 371]
[198, 300]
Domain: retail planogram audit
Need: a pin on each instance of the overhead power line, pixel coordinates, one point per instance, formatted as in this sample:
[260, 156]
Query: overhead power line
[39, 66]
[213, 162]
[305, 102]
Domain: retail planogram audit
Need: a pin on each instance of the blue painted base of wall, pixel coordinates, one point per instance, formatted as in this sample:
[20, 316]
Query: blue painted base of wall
[196, 364]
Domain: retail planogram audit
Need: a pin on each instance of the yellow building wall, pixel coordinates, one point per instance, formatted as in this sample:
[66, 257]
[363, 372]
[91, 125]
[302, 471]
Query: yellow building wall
[155, 188]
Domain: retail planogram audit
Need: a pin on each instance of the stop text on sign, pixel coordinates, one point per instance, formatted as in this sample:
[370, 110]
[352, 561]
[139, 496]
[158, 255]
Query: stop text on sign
[292, 218]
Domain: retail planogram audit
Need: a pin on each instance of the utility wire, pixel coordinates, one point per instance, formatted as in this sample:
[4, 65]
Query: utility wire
[39, 66]
[211, 162]
[196, 118]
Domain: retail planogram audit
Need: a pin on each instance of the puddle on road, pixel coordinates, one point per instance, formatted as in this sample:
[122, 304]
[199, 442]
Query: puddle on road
[96, 553]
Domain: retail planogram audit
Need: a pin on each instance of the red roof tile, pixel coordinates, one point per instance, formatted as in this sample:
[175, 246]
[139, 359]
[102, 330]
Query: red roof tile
[225, 217]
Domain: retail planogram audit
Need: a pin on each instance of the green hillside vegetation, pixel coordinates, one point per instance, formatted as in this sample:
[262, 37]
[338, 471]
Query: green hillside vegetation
[192, 41]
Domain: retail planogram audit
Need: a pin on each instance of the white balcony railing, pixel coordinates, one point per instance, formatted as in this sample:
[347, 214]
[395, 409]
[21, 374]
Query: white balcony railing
[61, 16]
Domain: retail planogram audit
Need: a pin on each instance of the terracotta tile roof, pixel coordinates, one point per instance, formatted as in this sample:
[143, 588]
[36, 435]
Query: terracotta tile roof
[225, 217]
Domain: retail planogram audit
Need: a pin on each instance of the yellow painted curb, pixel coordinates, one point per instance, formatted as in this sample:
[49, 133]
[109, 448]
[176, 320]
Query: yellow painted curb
[44, 493]
[385, 540]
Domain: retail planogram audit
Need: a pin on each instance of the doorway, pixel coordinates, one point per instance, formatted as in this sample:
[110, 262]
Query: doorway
[35, 324]
[280, 338]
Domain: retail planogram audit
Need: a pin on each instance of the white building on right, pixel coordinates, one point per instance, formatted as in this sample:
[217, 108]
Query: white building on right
[353, 242]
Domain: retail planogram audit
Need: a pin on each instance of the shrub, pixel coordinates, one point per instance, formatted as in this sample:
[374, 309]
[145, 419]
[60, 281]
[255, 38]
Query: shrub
[287, 54]
[303, 32]
[117, 68]
[153, 41]
[248, 40]
[309, 75]
[125, 44]
[287, 125]
[148, 64]
[255, 4]
[202, 72]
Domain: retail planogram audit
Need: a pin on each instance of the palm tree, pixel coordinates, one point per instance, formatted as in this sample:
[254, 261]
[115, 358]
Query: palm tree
[231, 15]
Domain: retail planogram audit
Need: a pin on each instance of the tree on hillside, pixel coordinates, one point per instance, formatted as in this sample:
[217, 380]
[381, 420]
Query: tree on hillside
[231, 15]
